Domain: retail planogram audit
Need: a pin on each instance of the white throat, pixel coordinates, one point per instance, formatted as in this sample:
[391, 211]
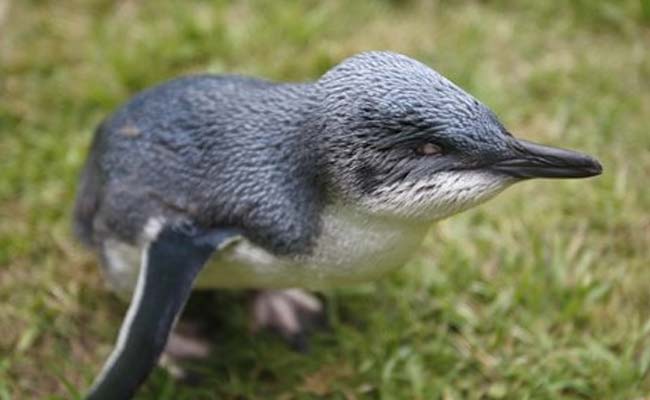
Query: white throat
[442, 195]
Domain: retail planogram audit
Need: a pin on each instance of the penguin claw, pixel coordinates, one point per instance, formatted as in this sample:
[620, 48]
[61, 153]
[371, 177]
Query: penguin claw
[183, 347]
[299, 343]
[292, 313]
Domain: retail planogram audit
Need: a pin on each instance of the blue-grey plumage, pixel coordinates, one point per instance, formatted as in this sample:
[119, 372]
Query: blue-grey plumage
[327, 183]
[217, 150]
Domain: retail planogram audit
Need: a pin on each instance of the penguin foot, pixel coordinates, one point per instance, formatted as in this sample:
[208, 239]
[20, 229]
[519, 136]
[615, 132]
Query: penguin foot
[185, 343]
[292, 313]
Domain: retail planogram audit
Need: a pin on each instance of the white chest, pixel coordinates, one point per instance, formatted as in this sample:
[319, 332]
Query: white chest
[352, 247]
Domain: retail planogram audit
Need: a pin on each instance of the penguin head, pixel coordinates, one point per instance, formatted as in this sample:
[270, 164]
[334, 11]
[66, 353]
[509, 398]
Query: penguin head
[398, 139]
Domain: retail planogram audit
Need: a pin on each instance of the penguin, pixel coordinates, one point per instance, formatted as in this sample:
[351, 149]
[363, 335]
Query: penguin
[226, 181]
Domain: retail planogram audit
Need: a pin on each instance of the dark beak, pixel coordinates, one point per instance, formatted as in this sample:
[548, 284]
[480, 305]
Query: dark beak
[532, 160]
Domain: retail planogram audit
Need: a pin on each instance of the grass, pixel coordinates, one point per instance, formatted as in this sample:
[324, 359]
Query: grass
[541, 294]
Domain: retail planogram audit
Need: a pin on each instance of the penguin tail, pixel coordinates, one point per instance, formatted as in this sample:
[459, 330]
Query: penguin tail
[88, 196]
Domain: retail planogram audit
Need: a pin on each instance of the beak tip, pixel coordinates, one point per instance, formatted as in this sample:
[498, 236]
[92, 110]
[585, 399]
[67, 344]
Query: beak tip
[592, 167]
[597, 168]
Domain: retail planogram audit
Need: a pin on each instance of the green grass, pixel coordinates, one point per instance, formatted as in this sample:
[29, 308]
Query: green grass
[543, 293]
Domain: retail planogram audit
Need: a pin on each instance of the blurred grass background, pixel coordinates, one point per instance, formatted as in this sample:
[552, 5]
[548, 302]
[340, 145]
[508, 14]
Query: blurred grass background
[544, 293]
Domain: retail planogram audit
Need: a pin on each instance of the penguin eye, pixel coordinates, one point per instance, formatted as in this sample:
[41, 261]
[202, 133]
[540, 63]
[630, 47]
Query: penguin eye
[428, 149]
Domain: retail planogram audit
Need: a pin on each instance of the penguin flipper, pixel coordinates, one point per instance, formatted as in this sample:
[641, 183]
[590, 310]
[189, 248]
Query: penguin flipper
[169, 267]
